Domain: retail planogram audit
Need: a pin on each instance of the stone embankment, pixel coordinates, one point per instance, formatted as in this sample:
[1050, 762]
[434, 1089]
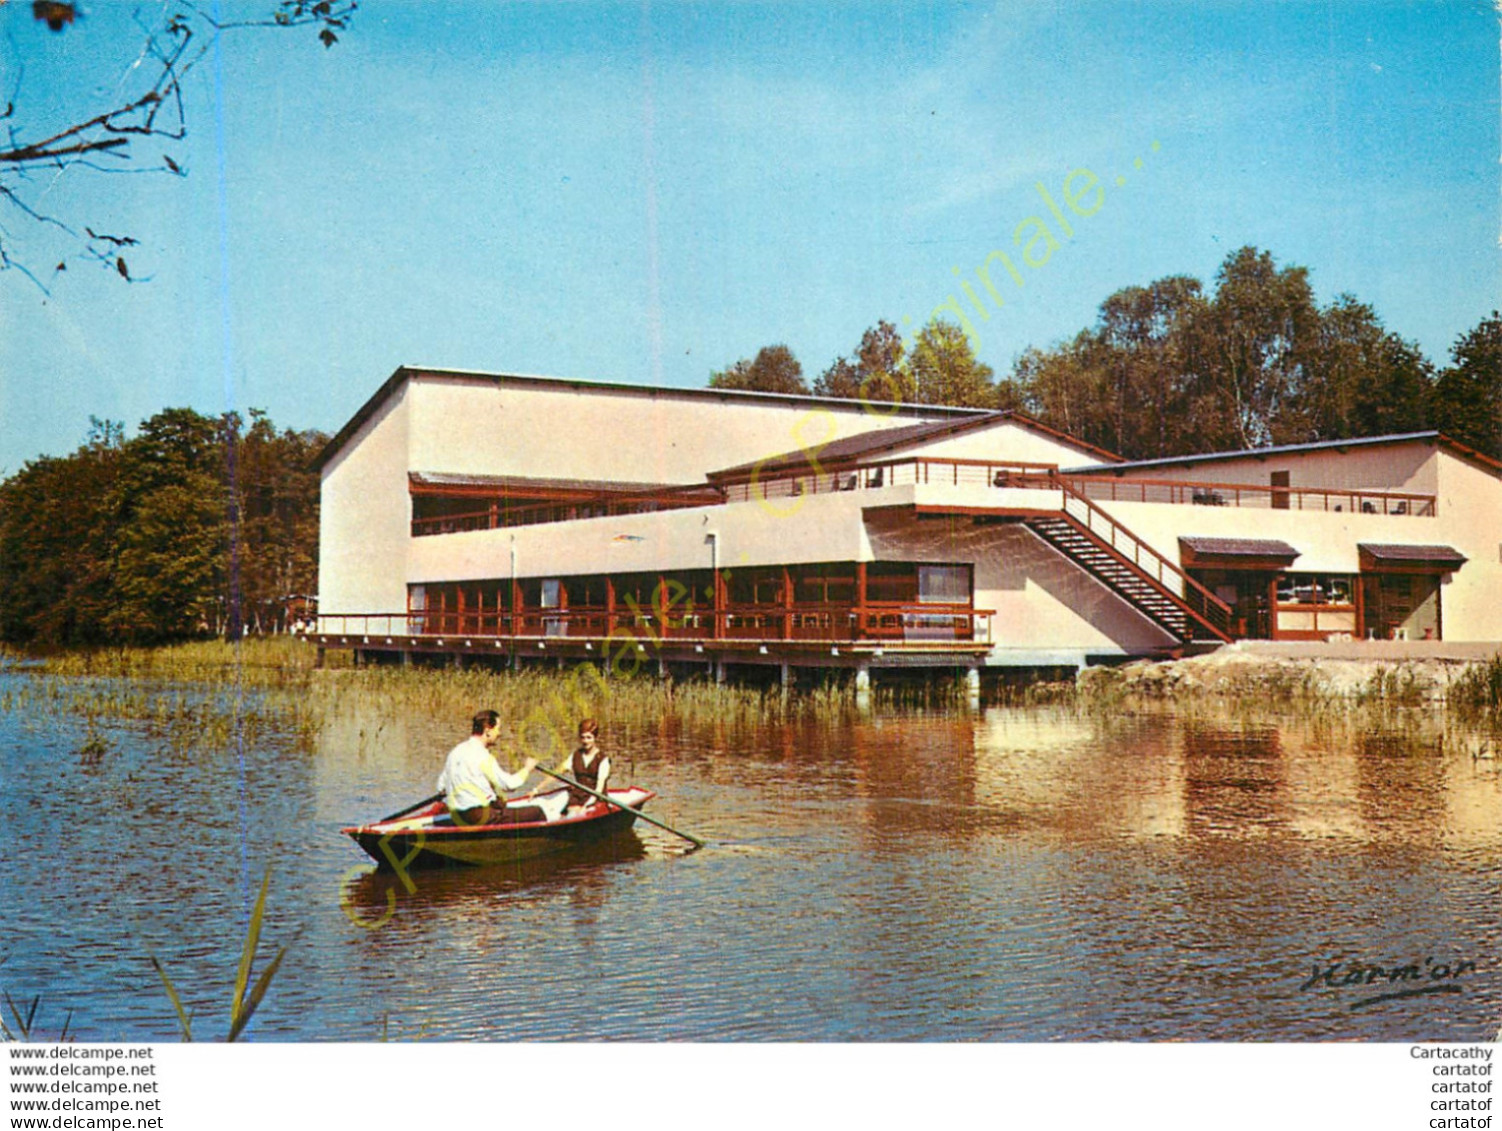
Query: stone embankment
[1415, 671]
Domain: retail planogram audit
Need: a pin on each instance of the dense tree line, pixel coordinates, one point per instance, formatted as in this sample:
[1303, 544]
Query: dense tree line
[941, 368]
[195, 526]
[1169, 369]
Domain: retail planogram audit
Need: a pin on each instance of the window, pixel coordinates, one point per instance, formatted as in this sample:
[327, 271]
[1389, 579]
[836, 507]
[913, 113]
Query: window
[944, 585]
[828, 584]
[586, 592]
[891, 582]
[1316, 589]
[754, 586]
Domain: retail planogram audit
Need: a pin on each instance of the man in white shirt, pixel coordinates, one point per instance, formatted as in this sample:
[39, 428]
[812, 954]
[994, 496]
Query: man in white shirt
[472, 780]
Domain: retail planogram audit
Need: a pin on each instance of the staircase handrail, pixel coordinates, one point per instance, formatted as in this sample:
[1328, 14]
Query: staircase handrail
[1203, 605]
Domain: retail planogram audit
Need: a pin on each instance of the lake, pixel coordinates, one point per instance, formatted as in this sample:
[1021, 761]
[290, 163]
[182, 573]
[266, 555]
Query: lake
[1015, 874]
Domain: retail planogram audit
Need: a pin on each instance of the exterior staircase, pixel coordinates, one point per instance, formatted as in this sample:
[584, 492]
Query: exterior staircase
[1130, 568]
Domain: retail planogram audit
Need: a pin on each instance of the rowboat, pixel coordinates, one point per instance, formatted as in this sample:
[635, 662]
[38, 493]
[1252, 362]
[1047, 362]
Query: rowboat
[425, 835]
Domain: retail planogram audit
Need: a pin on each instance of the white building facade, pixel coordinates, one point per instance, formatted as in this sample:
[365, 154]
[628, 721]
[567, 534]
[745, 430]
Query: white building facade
[530, 518]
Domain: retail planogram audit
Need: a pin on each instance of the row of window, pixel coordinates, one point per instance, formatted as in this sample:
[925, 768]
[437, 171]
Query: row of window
[828, 583]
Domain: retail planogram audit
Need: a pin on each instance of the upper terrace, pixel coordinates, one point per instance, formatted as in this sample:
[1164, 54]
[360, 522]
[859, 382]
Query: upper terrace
[443, 505]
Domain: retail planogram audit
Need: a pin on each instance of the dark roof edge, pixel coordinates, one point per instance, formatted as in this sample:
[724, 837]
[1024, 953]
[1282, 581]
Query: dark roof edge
[1430, 437]
[368, 409]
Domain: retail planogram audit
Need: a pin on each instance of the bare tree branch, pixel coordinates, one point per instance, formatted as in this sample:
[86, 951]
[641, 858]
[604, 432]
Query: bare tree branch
[151, 110]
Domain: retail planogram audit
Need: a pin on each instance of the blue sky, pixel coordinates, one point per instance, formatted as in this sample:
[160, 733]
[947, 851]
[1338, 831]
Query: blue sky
[647, 192]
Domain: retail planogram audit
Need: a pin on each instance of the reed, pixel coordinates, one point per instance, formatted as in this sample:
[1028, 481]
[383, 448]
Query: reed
[22, 1023]
[1402, 684]
[206, 695]
[247, 998]
[256, 660]
[1478, 690]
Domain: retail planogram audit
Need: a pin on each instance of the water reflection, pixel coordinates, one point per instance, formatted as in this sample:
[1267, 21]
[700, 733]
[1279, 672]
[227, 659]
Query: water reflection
[1036, 874]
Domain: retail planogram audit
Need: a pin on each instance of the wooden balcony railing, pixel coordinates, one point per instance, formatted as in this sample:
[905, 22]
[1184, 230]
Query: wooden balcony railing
[913, 471]
[833, 624]
[1205, 494]
[496, 517]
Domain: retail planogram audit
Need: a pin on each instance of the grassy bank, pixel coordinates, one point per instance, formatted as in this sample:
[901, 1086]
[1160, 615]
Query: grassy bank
[212, 692]
[1472, 690]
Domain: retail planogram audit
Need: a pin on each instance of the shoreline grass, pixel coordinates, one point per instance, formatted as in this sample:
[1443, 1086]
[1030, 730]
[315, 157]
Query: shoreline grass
[215, 692]
[212, 693]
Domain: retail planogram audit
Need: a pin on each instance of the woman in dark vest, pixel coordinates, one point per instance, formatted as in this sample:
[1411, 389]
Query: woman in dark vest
[590, 767]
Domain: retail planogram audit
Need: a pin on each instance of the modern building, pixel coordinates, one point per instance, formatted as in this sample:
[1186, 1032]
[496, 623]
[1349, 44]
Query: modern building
[543, 519]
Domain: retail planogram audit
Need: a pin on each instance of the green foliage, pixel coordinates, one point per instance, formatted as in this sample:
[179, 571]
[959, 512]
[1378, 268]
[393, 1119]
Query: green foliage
[1400, 685]
[194, 527]
[1252, 339]
[1467, 398]
[773, 370]
[876, 373]
[944, 369]
[1169, 370]
[1479, 687]
[1362, 380]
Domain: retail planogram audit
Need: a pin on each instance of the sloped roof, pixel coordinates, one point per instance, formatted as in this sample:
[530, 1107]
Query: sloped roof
[1409, 554]
[853, 449]
[1240, 547]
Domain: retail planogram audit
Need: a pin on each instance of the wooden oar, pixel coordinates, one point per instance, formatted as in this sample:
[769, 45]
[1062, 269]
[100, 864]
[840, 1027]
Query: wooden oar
[695, 841]
[409, 808]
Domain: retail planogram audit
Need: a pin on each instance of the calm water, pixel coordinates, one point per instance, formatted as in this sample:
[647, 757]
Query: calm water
[1017, 875]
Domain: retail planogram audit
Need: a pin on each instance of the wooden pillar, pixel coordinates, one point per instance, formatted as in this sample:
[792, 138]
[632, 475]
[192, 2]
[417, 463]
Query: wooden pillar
[717, 629]
[787, 603]
[860, 600]
[516, 606]
[609, 604]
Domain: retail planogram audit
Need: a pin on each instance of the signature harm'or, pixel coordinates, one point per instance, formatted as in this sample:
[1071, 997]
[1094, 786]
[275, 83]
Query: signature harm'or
[1411, 980]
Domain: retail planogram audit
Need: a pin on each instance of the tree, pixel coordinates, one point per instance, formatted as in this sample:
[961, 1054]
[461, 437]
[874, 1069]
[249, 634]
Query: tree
[1147, 357]
[944, 370]
[58, 524]
[875, 374]
[195, 526]
[1360, 379]
[773, 370]
[1167, 371]
[131, 127]
[1253, 340]
[1467, 399]
[276, 506]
